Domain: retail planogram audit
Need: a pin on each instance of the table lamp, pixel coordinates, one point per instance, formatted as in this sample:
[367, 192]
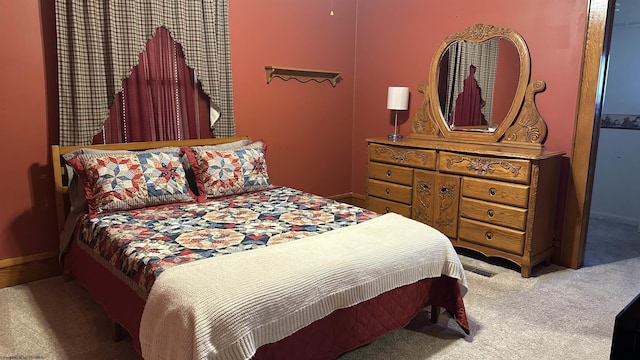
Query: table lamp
[397, 99]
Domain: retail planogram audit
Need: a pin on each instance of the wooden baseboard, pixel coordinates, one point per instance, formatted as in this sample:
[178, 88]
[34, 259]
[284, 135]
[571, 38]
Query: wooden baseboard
[351, 198]
[24, 269]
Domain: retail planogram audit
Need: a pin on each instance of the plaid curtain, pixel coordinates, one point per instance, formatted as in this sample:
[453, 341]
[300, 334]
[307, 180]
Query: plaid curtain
[99, 42]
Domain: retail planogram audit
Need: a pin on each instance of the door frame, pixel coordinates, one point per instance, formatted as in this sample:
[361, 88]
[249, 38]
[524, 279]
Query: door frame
[586, 132]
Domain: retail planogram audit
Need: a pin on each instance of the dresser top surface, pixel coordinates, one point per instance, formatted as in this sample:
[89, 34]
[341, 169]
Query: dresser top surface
[497, 149]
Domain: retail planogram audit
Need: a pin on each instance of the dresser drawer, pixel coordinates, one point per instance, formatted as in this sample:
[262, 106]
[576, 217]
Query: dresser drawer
[421, 158]
[382, 206]
[493, 213]
[513, 170]
[496, 191]
[389, 191]
[491, 236]
[392, 173]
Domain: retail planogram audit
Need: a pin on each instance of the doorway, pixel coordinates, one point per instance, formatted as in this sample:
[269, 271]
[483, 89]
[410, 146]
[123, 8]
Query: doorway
[600, 17]
[615, 205]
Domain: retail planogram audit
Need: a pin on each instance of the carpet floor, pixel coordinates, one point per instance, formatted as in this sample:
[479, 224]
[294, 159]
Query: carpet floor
[558, 313]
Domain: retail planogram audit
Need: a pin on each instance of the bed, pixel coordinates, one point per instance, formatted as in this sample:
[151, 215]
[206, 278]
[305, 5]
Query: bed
[189, 241]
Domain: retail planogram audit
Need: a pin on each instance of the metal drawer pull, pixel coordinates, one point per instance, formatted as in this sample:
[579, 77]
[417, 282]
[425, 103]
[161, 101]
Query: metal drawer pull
[492, 191]
[388, 191]
[388, 172]
[488, 235]
[490, 213]
[386, 209]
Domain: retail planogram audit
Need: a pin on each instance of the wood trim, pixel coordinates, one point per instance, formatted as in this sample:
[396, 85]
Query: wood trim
[351, 198]
[144, 145]
[27, 259]
[23, 269]
[58, 173]
[586, 131]
[302, 75]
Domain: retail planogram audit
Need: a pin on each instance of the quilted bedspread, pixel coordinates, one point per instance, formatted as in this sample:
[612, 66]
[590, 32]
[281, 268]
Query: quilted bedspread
[225, 308]
[143, 243]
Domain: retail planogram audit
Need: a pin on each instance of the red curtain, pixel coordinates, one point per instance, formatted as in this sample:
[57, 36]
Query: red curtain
[160, 100]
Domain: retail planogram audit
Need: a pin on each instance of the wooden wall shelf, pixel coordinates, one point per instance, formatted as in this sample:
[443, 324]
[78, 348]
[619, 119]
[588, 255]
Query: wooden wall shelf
[302, 75]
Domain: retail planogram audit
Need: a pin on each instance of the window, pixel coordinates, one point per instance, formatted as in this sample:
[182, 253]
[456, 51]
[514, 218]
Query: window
[161, 100]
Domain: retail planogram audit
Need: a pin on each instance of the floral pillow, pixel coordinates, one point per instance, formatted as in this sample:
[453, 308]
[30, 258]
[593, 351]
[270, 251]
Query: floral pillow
[226, 172]
[125, 180]
[234, 145]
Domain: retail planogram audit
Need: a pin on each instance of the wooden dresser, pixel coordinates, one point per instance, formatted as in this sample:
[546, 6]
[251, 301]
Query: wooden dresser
[494, 199]
[483, 179]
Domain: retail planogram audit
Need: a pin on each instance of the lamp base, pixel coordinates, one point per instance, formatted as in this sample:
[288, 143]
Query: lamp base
[394, 137]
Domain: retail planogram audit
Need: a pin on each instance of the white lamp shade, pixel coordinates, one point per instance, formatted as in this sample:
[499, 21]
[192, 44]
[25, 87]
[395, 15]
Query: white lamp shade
[398, 98]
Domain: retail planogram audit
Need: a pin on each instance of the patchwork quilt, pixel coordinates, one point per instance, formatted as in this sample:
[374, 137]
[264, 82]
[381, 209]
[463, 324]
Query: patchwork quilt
[143, 243]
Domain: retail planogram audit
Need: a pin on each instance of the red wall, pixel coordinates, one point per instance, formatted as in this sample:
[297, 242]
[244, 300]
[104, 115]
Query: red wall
[315, 131]
[397, 39]
[307, 126]
[27, 209]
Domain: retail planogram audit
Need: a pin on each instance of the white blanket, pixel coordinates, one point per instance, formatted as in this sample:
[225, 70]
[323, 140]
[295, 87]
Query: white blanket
[226, 307]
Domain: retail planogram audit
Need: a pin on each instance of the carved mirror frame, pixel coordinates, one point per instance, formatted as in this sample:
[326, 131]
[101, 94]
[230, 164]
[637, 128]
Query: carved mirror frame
[522, 124]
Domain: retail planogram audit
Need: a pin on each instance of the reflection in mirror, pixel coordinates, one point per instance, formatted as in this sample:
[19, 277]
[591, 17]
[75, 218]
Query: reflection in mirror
[477, 83]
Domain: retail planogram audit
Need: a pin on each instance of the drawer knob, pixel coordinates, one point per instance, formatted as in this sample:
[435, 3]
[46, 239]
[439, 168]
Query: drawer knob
[488, 235]
[492, 191]
[388, 172]
[388, 191]
[386, 209]
[490, 213]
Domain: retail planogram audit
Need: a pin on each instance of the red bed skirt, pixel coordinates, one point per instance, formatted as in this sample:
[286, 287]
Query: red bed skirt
[339, 332]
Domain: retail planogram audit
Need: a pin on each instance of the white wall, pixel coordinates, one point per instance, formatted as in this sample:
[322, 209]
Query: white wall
[616, 188]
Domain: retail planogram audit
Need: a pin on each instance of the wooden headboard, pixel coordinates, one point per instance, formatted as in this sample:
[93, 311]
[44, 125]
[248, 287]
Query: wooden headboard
[60, 171]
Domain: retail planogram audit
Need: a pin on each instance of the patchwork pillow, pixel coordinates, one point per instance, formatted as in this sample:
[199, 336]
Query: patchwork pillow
[125, 180]
[238, 144]
[226, 172]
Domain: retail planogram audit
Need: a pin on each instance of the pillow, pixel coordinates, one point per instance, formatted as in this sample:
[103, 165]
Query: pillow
[225, 146]
[226, 172]
[77, 208]
[125, 180]
[240, 144]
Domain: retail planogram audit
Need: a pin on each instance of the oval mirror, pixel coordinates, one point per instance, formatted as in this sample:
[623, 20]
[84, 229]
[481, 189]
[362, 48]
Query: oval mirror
[480, 76]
